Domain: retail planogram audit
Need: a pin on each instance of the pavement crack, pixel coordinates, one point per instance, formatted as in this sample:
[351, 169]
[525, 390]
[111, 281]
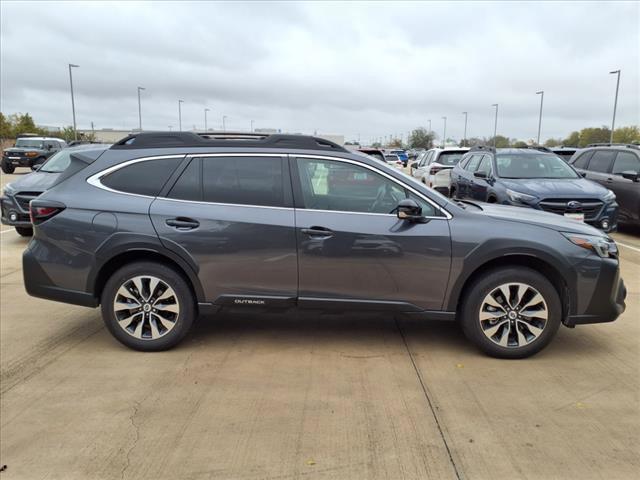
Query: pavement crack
[427, 396]
[136, 429]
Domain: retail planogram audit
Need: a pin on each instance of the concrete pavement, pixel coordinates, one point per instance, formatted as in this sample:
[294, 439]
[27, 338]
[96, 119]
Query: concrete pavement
[311, 396]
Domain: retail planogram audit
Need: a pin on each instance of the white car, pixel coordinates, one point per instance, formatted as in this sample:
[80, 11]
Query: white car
[434, 167]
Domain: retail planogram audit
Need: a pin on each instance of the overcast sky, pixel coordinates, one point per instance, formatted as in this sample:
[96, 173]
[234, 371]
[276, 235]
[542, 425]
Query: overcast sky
[372, 69]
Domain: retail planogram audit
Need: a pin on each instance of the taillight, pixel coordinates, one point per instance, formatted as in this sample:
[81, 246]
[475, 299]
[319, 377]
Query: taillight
[39, 214]
[434, 170]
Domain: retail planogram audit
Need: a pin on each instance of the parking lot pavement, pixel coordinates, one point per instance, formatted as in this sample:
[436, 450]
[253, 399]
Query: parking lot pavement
[311, 396]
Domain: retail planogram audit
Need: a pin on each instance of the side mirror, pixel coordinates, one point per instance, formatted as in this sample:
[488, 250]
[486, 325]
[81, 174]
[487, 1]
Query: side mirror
[409, 210]
[630, 175]
[484, 175]
[583, 174]
[37, 167]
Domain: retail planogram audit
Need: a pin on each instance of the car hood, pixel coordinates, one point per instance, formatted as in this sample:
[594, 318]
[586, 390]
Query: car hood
[537, 217]
[556, 188]
[34, 182]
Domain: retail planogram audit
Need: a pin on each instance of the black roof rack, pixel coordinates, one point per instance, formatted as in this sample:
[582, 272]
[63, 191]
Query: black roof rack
[225, 139]
[485, 148]
[606, 144]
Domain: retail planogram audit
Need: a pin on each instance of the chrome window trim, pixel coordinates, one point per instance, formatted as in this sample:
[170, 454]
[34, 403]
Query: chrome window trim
[447, 215]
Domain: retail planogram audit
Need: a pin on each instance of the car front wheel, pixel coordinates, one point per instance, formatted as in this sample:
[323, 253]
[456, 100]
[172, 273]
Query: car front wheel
[8, 168]
[511, 312]
[148, 306]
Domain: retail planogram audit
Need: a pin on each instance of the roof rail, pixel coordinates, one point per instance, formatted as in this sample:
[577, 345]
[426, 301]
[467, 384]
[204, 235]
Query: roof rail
[225, 139]
[607, 144]
[485, 148]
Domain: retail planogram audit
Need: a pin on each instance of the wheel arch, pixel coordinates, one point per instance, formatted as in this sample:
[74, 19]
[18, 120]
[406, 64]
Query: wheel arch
[542, 266]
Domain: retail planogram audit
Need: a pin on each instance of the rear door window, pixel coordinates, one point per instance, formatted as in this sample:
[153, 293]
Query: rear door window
[485, 165]
[189, 185]
[473, 163]
[626, 162]
[601, 161]
[583, 160]
[142, 178]
[243, 180]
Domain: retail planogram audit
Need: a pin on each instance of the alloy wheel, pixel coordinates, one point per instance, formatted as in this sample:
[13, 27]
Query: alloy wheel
[513, 315]
[146, 307]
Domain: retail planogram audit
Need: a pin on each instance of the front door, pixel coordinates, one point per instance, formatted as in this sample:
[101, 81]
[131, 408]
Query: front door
[353, 250]
[231, 215]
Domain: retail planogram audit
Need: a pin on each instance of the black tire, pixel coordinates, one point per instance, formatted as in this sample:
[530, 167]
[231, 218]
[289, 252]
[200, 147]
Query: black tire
[183, 319]
[489, 282]
[25, 231]
[7, 168]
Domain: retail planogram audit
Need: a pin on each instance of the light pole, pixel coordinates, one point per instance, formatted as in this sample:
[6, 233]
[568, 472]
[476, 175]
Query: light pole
[73, 103]
[139, 109]
[444, 133]
[541, 93]
[495, 125]
[170, 127]
[205, 118]
[429, 125]
[251, 126]
[224, 123]
[615, 105]
[464, 138]
[180, 102]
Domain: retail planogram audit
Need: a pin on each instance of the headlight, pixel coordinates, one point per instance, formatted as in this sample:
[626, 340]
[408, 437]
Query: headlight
[603, 246]
[31, 154]
[609, 197]
[519, 196]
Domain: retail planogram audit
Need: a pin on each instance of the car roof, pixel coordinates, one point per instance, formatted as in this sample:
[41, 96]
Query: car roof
[40, 138]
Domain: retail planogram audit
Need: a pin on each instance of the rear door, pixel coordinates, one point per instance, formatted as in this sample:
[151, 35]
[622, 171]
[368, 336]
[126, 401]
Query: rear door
[466, 178]
[479, 188]
[627, 191]
[353, 251]
[600, 166]
[232, 216]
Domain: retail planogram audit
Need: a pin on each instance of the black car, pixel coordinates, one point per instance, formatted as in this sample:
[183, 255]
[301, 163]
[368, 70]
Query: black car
[14, 203]
[534, 178]
[30, 152]
[616, 167]
[563, 152]
[163, 226]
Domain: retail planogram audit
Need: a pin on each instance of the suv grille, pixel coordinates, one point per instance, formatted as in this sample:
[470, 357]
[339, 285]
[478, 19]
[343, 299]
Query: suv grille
[589, 206]
[23, 199]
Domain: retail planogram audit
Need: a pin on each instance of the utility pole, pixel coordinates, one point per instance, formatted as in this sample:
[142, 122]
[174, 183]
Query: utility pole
[73, 103]
[615, 105]
[224, 123]
[541, 93]
[495, 125]
[205, 119]
[444, 133]
[464, 138]
[180, 102]
[251, 126]
[139, 109]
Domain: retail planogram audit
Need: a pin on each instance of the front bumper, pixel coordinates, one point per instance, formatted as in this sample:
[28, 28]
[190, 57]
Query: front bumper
[12, 214]
[607, 298]
[18, 161]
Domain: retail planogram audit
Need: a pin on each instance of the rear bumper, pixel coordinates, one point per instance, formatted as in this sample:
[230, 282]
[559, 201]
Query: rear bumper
[38, 284]
[607, 301]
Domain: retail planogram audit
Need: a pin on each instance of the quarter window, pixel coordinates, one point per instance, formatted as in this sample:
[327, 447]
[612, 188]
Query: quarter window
[142, 178]
[601, 161]
[626, 162]
[340, 186]
[583, 160]
[473, 163]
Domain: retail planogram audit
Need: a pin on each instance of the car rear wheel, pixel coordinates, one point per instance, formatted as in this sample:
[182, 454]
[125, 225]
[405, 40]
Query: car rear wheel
[24, 231]
[511, 312]
[148, 306]
[7, 167]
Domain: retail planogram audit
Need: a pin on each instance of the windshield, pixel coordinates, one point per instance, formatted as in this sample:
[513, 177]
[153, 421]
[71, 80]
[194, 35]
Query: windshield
[58, 162]
[450, 158]
[533, 166]
[26, 143]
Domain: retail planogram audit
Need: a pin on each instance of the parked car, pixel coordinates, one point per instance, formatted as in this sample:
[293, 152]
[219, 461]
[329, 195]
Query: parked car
[435, 170]
[30, 152]
[615, 167]
[393, 160]
[563, 152]
[402, 155]
[14, 203]
[528, 177]
[163, 226]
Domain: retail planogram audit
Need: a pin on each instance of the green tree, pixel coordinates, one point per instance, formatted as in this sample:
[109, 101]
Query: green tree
[594, 135]
[5, 127]
[627, 135]
[395, 143]
[475, 141]
[519, 144]
[421, 138]
[553, 142]
[501, 142]
[572, 140]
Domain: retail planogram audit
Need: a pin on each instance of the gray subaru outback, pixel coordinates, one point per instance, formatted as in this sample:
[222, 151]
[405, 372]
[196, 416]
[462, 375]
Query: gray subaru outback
[162, 227]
